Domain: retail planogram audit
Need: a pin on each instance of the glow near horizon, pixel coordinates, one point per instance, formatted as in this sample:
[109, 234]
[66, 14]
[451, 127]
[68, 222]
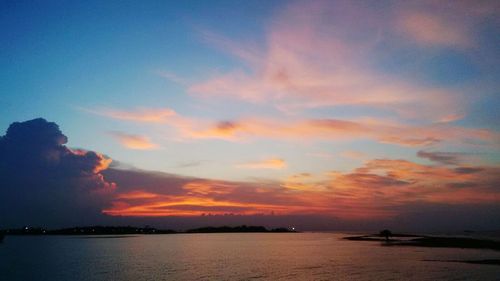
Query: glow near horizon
[269, 92]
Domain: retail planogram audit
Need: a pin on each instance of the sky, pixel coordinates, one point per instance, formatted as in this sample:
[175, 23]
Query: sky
[315, 114]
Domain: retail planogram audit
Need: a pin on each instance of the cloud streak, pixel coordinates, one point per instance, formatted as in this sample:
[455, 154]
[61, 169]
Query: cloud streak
[244, 129]
[133, 141]
[446, 158]
[271, 163]
[149, 115]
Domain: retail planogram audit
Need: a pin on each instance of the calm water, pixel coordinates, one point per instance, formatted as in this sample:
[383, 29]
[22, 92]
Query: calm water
[287, 256]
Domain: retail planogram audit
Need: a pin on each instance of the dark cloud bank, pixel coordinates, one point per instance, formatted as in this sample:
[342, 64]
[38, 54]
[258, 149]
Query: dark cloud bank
[45, 183]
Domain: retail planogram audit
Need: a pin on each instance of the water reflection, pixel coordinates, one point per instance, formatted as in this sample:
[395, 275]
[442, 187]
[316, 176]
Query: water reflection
[242, 256]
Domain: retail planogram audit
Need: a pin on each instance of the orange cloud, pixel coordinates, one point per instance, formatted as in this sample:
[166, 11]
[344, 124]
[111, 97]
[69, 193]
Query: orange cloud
[137, 194]
[378, 189]
[271, 163]
[102, 162]
[383, 131]
[334, 129]
[134, 141]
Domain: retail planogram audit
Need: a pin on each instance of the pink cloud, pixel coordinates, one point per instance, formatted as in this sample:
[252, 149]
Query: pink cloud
[134, 141]
[271, 163]
[431, 29]
[451, 24]
[334, 129]
[380, 188]
[147, 115]
[245, 129]
[309, 61]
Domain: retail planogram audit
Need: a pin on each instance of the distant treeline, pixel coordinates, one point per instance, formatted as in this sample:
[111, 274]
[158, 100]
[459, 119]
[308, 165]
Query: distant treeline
[243, 228]
[117, 230]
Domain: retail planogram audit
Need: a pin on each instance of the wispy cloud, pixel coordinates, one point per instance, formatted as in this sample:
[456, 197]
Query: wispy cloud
[133, 141]
[147, 115]
[445, 158]
[309, 61]
[352, 154]
[271, 163]
[245, 129]
[448, 24]
[430, 29]
[335, 129]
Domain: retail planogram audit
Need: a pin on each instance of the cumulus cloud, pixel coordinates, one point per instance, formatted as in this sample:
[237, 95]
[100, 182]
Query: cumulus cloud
[44, 182]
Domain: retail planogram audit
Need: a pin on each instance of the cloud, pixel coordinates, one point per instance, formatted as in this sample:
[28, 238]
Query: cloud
[134, 141]
[44, 182]
[186, 196]
[222, 130]
[430, 29]
[271, 163]
[146, 115]
[393, 182]
[316, 56]
[379, 190]
[444, 24]
[446, 158]
[336, 129]
[245, 129]
[189, 164]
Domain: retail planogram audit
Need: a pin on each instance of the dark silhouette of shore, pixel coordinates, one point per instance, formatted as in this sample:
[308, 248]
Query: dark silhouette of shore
[429, 241]
[490, 262]
[412, 240]
[130, 230]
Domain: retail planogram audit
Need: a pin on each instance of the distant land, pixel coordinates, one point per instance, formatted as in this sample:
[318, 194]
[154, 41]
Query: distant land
[429, 241]
[434, 242]
[129, 230]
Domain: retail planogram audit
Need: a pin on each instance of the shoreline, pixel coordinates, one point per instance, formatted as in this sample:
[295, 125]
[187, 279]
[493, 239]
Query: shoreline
[435, 242]
[429, 241]
[121, 231]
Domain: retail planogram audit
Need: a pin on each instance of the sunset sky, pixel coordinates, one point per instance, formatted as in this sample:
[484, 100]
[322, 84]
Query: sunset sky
[322, 114]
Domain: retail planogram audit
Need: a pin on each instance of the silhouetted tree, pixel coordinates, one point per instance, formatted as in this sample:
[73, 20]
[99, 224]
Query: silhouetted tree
[386, 233]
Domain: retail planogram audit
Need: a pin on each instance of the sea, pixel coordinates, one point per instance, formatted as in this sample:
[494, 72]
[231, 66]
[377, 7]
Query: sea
[233, 256]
